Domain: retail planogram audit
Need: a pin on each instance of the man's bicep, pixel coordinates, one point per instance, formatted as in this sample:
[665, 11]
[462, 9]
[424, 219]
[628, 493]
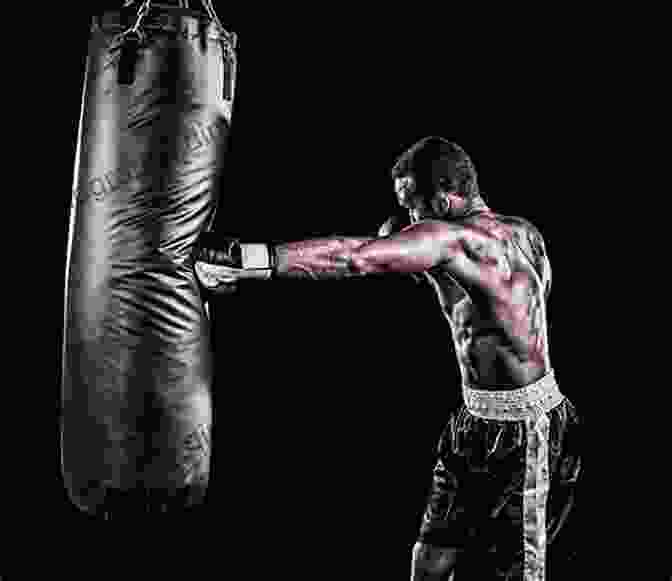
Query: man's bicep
[415, 249]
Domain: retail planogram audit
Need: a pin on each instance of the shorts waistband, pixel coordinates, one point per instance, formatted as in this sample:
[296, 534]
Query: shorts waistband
[515, 404]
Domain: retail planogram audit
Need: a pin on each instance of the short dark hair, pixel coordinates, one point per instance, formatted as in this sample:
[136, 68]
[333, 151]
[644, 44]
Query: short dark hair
[435, 159]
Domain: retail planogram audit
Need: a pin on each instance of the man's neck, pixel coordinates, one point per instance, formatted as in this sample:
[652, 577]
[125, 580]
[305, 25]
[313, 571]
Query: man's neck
[476, 207]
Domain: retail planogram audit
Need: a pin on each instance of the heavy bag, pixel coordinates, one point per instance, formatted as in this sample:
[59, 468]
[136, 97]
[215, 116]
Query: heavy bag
[137, 363]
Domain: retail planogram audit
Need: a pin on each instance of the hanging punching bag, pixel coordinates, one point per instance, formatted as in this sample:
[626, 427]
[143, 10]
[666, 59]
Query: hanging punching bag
[137, 364]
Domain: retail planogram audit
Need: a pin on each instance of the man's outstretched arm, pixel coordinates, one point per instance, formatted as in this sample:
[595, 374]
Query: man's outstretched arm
[415, 249]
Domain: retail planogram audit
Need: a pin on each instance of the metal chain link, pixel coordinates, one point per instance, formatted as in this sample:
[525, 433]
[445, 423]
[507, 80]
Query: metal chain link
[142, 13]
[230, 40]
[146, 6]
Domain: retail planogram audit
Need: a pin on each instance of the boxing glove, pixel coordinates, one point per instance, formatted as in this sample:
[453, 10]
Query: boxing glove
[221, 261]
[396, 223]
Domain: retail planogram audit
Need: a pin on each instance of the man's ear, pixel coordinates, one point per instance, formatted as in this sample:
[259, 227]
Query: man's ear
[443, 200]
[445, 186]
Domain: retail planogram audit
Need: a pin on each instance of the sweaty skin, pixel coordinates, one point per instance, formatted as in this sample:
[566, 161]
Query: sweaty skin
[491, 276]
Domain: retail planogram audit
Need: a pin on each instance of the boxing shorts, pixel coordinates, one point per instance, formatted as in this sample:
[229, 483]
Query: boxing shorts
[504, 480]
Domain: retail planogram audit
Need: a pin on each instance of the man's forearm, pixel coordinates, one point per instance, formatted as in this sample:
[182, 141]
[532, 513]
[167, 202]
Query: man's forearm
[321, 258]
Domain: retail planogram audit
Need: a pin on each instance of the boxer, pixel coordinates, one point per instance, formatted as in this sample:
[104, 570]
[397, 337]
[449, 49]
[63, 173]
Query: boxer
[507, 461]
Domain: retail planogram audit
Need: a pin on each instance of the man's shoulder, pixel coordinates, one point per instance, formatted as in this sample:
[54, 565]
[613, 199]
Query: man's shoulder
[513, 221]
[514, 226]
[484, 226]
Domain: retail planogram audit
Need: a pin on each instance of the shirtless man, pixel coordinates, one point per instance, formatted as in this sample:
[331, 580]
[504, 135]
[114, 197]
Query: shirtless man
[507, 461]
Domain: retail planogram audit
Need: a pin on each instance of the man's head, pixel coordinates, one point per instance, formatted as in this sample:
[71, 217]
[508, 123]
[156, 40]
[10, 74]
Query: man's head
[435, 178]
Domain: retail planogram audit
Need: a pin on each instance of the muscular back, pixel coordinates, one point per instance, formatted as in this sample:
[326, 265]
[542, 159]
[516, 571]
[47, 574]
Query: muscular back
[495, 302]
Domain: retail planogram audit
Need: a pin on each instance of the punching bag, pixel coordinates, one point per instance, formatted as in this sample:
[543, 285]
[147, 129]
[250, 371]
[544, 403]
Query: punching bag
[137, 370]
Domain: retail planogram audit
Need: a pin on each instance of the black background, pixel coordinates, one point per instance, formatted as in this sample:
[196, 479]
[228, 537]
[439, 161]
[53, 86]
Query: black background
[330, 396]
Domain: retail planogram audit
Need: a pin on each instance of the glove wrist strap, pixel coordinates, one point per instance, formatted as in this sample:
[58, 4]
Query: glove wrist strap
[258, 257]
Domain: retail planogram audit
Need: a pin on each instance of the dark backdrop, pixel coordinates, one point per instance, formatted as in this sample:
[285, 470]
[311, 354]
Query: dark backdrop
[330, 396]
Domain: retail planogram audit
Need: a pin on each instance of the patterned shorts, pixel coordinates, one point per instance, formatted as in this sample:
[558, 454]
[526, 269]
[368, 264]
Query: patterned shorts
[503, 483]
